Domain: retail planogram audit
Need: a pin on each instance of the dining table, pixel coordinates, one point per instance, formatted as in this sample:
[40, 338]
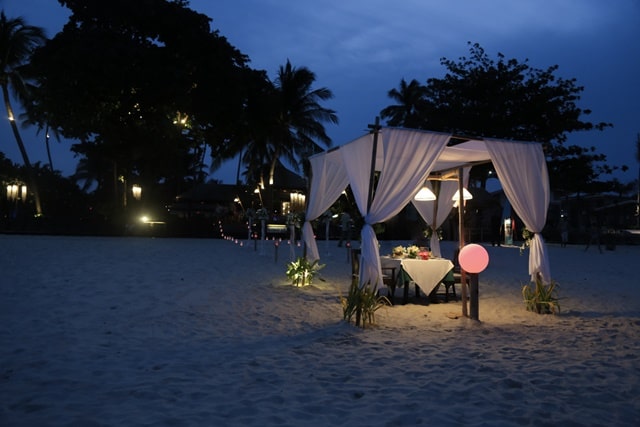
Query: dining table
[427, 274]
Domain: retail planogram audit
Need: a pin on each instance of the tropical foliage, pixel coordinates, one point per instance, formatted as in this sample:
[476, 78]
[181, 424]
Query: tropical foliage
[504, 98]
[541, 298]
[149, 115]
[284, 122]
[361, 304]
[301, 271]
[17, 43]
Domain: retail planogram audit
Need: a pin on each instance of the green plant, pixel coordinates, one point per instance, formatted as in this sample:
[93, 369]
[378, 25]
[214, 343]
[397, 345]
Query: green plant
[301, 272]
[541, 298]
[428, 232]
[527, 235]
[362, 302]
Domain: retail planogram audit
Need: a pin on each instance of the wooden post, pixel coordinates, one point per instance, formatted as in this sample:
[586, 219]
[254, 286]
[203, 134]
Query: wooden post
[463, 274]
[372, 177]
[473, 298]
[436, 191]
[374, 153]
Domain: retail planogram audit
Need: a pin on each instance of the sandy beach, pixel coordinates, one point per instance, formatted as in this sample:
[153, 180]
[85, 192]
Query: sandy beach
[99, 331]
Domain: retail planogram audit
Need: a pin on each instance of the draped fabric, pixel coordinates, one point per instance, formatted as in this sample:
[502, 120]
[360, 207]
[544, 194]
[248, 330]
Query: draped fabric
[328, 179]
[522, 171]
[404, 159]
[407, 159]
[444, 203]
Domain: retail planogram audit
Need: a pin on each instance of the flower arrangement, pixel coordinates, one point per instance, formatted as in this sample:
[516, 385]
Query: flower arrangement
[527, 235]
[397, 251]
[413, 251]
[424, 254]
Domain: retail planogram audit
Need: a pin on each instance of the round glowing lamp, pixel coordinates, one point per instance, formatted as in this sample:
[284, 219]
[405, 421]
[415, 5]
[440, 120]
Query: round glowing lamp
[473, 258]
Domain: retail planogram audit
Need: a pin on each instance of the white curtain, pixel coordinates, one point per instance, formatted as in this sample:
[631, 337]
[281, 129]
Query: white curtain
[444, 203]
[522, 170]
[328, 179]
[407, 158]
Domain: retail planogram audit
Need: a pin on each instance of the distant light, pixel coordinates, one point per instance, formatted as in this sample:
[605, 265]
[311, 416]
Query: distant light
[136, 190]
[144, 219]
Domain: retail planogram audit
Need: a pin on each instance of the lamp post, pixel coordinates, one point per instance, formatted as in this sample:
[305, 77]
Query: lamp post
[473, 259]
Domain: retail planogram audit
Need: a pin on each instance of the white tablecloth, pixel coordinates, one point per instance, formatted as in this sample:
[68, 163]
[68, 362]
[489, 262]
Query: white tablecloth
[427, 274]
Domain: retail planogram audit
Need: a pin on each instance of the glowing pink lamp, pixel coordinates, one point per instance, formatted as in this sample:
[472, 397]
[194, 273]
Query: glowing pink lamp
[473, 259]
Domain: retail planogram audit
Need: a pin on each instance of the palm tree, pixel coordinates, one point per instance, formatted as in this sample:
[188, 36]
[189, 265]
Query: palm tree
[281, 121]
[407, 112]
[17, 43]
[299, 129]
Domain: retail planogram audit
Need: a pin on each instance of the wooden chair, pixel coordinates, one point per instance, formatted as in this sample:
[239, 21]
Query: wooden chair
[453, 278]
[449, 284]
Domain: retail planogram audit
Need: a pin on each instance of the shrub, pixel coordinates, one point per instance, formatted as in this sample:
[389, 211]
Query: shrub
[541, 298]
[362, 302]
[301, 272]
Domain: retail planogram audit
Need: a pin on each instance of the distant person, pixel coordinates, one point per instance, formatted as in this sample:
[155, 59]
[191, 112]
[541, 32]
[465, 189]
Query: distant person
[496, 227]
[345, 228]
[594, 234]
[564, 232]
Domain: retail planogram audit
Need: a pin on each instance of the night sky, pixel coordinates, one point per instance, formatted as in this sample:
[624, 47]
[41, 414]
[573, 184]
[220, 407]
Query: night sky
[361, 49]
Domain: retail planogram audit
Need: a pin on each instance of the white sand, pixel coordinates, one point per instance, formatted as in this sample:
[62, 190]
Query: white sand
[178, 332]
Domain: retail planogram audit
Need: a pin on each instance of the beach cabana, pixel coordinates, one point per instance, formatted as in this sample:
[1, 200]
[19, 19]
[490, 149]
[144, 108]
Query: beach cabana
[405, 160]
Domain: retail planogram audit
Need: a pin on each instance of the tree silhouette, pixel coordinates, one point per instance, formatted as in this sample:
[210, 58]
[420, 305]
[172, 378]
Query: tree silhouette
[505, 99]
[283, 121]
[17, 43]
[407, 111]
[149, 83]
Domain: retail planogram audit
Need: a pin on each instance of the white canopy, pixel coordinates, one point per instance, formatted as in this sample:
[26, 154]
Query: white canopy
[405, 158]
